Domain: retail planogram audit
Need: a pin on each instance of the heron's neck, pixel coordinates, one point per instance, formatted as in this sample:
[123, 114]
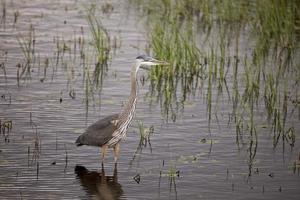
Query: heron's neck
[130, 105]
[133, 92]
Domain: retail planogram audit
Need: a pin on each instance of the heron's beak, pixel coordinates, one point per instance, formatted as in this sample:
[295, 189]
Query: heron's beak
[152, 62]
[159, 62]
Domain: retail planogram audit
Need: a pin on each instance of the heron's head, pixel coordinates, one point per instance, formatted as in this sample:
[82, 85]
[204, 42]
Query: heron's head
[145, 61]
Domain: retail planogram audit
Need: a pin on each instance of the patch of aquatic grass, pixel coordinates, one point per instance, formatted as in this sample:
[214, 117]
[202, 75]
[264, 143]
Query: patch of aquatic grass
[251, 79]
[239, 129]
[89, 83]
[211, 74]
[172, 36]
[216, 72]
[172, 171]
[96, 49]
[62, 47]
[265, 75]
[3, 69]
[279, 122]
[235, 86]
[222, 47]
[5, 127]
[27, 45]
[270, 95]
[101, 43]
[274, 27]
[173, 40]
[145, 134]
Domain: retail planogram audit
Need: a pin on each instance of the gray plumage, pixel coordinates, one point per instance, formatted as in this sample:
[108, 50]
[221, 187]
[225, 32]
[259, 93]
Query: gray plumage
[98, 133]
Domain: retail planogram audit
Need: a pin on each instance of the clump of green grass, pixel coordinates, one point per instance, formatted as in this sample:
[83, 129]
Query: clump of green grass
[274, 27]
[266, 74]
[100, 46]
[173, 39]
[145, 133]
[5, 126]
[172, 171]
[101, 43]
[270, 95]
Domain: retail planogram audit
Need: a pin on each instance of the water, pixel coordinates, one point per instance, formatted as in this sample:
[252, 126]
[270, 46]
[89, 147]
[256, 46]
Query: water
[182, 160]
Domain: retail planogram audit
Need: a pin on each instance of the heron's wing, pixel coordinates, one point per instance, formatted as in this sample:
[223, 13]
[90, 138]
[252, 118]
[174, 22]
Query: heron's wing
[99, 133]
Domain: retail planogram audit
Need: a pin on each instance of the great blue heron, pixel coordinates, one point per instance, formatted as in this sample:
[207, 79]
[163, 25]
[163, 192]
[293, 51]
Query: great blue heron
[109, 131]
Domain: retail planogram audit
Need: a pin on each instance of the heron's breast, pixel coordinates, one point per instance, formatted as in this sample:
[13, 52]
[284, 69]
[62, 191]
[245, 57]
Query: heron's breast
[123, 124]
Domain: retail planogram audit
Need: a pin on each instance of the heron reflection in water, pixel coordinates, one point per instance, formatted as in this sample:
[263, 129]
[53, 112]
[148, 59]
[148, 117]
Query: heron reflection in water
[109, 131]
[98, 185]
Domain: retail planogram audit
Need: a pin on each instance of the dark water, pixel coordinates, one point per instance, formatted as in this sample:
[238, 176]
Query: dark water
[182, 160]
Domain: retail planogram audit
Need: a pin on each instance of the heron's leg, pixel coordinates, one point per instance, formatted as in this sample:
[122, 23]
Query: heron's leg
[103, 177]
[103, 152]
[116, 152]
[115, 176]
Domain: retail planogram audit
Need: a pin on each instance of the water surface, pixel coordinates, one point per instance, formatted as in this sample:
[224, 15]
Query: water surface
[182, 160]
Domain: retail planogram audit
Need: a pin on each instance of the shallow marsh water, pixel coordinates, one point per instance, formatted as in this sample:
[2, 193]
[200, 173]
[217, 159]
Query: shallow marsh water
[182, 160]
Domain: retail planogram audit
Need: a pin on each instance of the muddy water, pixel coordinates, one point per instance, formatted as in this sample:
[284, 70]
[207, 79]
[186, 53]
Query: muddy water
[182, 159]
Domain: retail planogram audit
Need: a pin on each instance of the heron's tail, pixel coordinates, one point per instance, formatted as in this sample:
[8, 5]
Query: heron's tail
[79, 141]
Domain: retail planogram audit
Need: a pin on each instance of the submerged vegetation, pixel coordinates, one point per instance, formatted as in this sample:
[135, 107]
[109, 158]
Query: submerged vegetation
[252, 57]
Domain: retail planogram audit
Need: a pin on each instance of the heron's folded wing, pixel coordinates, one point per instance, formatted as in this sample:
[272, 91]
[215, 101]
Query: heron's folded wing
[98, 133]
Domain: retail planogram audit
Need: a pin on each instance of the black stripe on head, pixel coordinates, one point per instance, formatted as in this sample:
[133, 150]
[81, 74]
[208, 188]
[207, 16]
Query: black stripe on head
[144, 58]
